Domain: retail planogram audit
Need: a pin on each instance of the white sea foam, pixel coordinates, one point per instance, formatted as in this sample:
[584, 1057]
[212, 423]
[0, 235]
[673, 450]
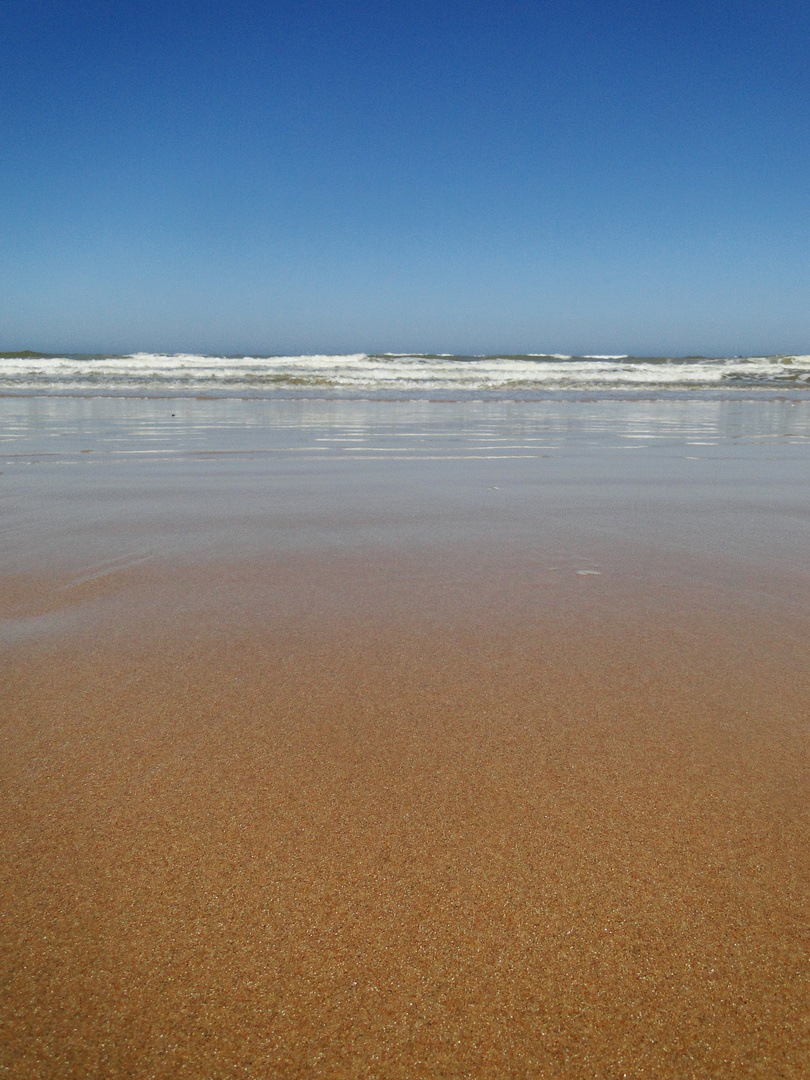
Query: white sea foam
[410, 374]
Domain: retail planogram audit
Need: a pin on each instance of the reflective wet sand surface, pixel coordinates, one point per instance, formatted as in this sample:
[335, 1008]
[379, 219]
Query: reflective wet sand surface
[379, 808]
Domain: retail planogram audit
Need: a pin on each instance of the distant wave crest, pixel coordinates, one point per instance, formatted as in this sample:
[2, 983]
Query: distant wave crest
[412, 374]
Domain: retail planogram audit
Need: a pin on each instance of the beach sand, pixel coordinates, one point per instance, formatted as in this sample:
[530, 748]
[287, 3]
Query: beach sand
[368, 809]
[373, 817]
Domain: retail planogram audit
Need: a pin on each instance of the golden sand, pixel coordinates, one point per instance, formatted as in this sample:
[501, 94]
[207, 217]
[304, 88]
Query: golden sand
[317, 821]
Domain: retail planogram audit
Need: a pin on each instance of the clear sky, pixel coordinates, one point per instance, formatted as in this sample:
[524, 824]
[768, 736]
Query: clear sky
[310, 175]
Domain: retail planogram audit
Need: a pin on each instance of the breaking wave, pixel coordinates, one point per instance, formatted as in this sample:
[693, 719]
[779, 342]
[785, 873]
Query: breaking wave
[412, 375]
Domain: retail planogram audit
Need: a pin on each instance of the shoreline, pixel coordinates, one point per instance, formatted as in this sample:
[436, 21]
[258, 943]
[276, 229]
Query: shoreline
[795, 395]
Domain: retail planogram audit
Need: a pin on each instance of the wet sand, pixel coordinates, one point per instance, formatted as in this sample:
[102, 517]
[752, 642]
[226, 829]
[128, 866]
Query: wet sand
[461, 774]
[369, 817]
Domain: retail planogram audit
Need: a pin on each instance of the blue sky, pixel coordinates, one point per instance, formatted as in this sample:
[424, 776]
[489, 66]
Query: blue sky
[317, 176]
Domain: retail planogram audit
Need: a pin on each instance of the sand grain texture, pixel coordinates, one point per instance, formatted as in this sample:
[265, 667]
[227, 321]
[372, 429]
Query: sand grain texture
[277, 828]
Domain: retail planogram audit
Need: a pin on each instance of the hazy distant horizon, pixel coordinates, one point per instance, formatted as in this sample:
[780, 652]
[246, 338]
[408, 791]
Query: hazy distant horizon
[233, 353]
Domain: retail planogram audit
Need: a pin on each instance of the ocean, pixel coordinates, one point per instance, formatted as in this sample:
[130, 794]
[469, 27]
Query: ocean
[402, 375]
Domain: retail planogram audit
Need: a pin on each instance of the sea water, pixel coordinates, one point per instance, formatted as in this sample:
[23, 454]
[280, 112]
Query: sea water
[410, 375]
